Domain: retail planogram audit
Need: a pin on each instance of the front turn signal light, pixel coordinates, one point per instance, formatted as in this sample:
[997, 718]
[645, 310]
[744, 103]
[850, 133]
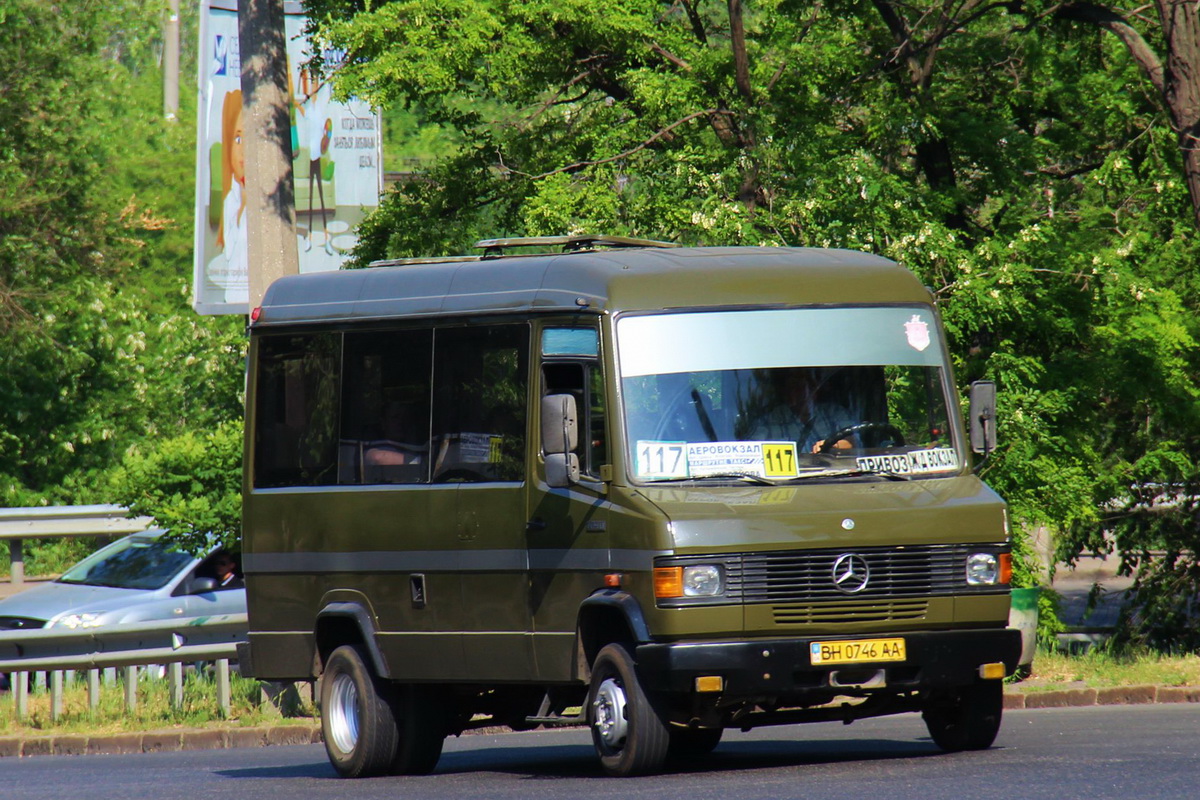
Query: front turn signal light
[668, 582]
[1006, 567]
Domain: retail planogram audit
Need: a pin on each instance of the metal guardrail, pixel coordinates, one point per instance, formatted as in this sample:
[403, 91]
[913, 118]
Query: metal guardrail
[44, 522]
[170, 642]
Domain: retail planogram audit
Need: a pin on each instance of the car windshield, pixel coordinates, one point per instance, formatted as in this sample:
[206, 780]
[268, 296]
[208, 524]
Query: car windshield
[137, 562]
[786, 394]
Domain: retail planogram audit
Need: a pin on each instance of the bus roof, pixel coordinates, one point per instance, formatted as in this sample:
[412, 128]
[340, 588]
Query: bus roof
[597, 281]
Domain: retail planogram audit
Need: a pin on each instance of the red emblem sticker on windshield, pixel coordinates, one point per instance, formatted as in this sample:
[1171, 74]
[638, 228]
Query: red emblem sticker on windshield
[917, 332]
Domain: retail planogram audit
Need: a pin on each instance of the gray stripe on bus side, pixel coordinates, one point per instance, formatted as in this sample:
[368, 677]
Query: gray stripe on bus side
[450, 561]
[496, 560]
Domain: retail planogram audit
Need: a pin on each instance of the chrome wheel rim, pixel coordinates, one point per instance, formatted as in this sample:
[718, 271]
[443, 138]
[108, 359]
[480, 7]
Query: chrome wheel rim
[608, 714]
[342, 714]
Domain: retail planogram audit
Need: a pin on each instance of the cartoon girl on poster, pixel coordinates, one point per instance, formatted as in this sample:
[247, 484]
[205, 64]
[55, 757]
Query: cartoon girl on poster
[315, 101]
[233, 275]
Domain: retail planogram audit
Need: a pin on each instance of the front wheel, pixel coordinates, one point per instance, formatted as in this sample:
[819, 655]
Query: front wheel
[966, 718]
[627, 730]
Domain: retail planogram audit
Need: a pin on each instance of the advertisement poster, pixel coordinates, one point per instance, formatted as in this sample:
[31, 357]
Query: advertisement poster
[337, 169]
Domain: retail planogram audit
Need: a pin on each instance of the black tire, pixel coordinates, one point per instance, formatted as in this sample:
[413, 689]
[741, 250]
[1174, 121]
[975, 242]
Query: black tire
[421, 722]
[357, 722]
[688, 744]
[628, 731]
[966, 718]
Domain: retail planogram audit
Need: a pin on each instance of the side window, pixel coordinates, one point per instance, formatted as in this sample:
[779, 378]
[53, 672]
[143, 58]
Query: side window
[385, 407]
[571, 366]
[597, 421]
[224, 568]
[295, 437]
[479, 403]
[585, 381]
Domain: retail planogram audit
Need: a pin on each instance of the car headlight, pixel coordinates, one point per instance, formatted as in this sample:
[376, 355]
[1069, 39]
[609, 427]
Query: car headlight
[989, 569]
[701, 580]
[79, 621]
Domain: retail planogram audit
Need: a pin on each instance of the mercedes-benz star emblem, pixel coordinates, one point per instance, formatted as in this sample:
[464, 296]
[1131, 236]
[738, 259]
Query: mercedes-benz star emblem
[850, 573]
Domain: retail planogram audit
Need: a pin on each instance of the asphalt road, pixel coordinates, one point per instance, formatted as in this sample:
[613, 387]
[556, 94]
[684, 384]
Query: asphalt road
[1095, 753]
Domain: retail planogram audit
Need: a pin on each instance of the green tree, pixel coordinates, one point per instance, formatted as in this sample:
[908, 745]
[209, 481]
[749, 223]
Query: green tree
[191, 484]
[1166, 48]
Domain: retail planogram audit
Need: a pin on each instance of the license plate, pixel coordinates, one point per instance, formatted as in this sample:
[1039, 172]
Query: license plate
[857, 651]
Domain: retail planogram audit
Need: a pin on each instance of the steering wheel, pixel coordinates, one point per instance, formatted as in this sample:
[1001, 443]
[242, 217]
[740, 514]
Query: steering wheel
[888, 430]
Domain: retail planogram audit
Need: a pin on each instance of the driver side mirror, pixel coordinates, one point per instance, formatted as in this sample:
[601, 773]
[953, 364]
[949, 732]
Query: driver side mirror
[560, 437]
[202, 585]
[982, 410]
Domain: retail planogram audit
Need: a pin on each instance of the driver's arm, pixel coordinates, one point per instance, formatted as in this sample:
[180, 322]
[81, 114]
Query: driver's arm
[840, 444]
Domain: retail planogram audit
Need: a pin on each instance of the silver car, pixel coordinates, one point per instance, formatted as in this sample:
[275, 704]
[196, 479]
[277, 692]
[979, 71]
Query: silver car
[134, 579]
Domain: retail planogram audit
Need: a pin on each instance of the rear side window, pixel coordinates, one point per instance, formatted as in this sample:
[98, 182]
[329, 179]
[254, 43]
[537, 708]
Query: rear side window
[296, 439]
[385, 407]
[480, 378]
[392, 407]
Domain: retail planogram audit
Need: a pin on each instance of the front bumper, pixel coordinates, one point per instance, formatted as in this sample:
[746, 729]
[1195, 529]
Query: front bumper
[782, 667]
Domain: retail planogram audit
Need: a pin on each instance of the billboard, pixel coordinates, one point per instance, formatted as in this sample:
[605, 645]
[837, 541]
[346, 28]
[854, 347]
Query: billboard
[337, 170]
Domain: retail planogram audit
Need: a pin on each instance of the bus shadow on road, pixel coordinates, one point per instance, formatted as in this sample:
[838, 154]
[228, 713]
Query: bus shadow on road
[579, 761]
[558, 761]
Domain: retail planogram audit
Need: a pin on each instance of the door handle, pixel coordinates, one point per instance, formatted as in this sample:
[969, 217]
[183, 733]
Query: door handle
[535, 524]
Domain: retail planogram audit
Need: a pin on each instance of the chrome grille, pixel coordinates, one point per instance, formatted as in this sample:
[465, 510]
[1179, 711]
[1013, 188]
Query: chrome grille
[806, 575]
[799, 584]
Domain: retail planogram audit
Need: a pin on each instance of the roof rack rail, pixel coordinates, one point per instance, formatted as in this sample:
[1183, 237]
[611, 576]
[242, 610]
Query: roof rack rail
[408, 262]
[493, 248]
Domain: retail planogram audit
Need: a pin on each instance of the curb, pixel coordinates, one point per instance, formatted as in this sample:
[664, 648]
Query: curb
[157, 741]
[282, 735]
[1112, 696]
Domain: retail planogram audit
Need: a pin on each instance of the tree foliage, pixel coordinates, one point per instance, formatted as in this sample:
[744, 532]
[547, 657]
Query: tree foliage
[102, 355]
[191, 485]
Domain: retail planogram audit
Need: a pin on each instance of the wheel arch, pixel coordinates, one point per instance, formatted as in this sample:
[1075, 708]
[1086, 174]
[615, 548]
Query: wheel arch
[346, 622]
[606, 617]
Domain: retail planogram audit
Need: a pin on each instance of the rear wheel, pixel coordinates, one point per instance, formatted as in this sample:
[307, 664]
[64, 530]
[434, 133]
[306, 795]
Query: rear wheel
[965, 718]
[421, 724]
[693, 743]
[627, 730]
[356, 717]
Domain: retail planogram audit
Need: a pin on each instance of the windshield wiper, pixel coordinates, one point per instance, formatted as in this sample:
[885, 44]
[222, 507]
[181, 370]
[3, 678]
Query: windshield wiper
[849, 473]
[757, 480]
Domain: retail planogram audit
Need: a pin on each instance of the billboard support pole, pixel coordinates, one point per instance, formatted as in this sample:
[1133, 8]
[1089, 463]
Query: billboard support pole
[270, 197]
[171, 61]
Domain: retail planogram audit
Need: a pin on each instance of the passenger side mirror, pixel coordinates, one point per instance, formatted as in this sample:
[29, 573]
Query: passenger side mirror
[560, 437]
[982, 410]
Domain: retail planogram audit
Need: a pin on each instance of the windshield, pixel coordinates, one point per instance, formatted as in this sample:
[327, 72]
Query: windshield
[136, 562]
[785, 394]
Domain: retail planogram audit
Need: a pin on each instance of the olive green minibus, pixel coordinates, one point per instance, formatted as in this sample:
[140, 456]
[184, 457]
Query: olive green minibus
[658, 491]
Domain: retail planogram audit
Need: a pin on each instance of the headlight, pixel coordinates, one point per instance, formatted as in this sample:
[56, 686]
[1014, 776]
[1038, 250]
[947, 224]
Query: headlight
[693, 580]
[79, 621]
[983, 569]
[702, 580]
